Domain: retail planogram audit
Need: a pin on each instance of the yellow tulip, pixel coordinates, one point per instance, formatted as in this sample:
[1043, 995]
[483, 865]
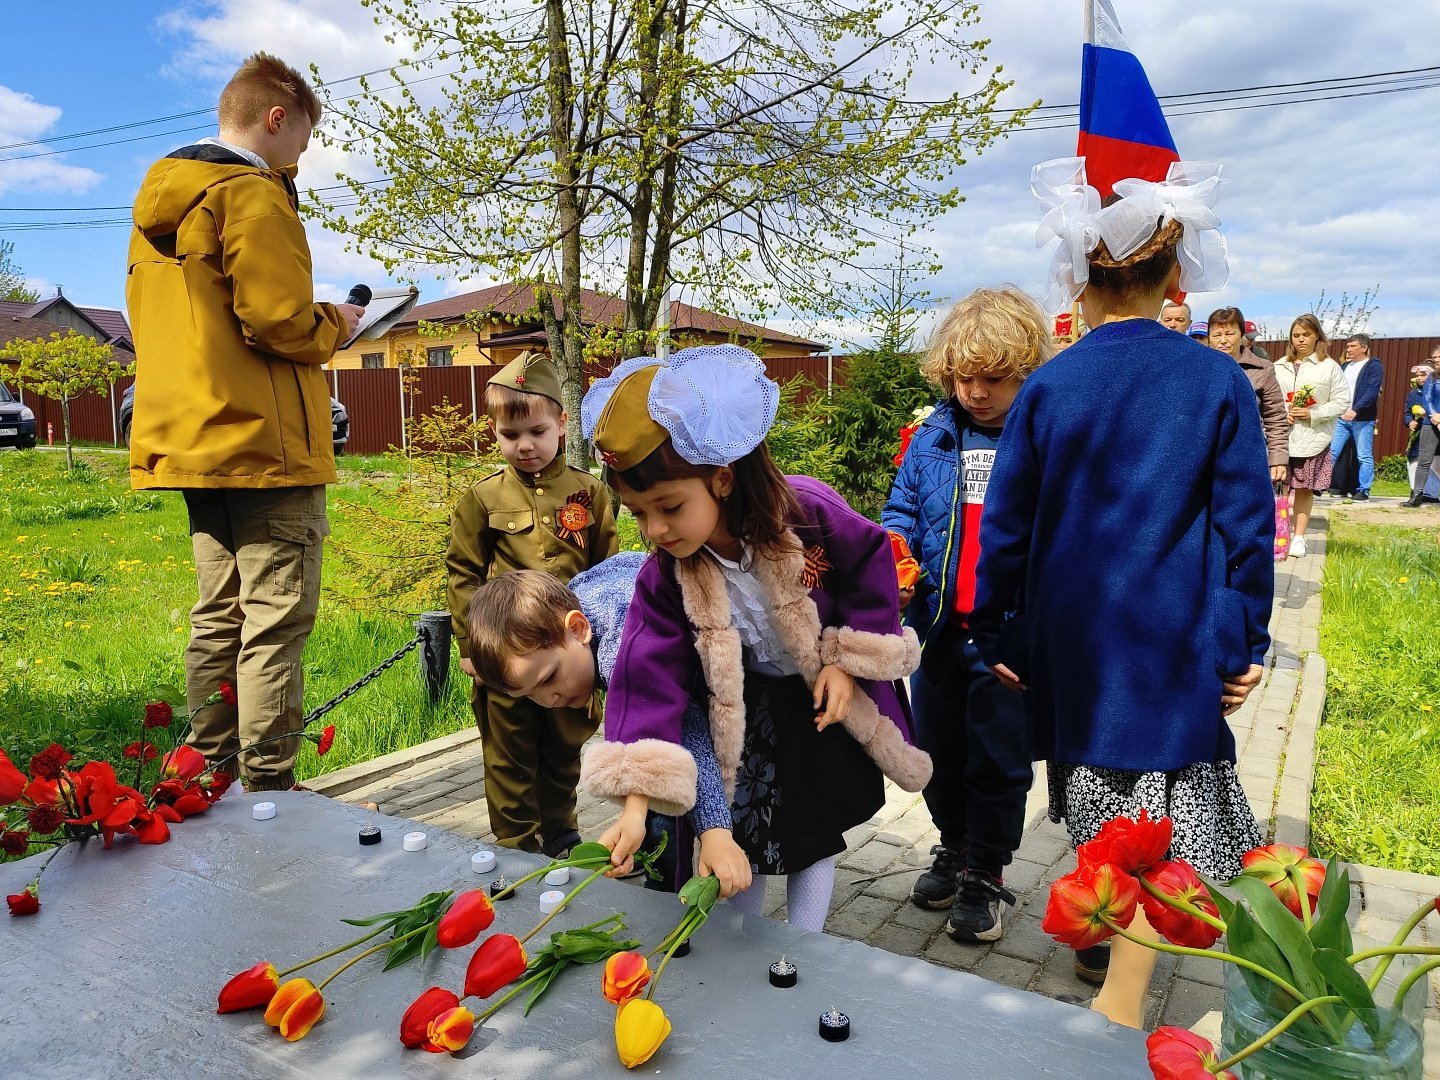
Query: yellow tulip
[640, 1027]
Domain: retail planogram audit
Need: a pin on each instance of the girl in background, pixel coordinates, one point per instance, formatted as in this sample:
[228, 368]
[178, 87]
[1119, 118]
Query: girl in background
[1317, 393]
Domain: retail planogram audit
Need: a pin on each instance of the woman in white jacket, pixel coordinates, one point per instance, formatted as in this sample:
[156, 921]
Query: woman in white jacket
[1317, 393]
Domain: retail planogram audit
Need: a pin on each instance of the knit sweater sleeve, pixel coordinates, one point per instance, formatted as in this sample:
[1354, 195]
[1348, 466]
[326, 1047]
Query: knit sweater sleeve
[1243, 511]
[712, 808]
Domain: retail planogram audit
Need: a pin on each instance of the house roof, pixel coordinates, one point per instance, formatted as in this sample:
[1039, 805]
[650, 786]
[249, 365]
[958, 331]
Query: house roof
[108, 321]
[517, 301]
[24, 328]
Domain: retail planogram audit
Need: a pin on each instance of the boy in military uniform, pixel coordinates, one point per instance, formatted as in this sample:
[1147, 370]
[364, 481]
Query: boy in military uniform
[534, 513]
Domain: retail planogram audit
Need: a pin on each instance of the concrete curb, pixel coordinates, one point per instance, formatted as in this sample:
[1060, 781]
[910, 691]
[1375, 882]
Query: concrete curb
[1292, 806]
[382, 768]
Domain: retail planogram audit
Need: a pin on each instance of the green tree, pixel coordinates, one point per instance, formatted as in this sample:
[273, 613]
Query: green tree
[12, 278]
[63, 367]
[759, 159]
[881, 390]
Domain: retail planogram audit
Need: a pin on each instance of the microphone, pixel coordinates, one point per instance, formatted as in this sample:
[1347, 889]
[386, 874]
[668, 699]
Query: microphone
[359, 295]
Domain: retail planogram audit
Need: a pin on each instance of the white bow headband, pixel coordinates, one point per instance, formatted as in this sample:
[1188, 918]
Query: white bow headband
[1073, 214]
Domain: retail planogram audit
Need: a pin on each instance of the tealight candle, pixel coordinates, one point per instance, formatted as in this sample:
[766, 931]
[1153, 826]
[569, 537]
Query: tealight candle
[559, 876]
[783, 974]
[483, 861]
[551, 900]
[414, 841]
[498, 886]
[834, 1025]
[369, 835]
[263, 811]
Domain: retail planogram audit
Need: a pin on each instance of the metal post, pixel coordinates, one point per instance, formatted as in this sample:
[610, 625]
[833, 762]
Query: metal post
[829, 373]
[474, 416]
[433, 628]
[662, 328]
[114, 416]
[404, 435]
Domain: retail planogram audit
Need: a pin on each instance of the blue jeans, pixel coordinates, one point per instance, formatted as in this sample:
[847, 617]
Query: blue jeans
[974, 730]
[1363, 432]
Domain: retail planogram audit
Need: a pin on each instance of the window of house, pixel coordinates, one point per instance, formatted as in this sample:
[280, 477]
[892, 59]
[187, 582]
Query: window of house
[440, 356]
[372, 360]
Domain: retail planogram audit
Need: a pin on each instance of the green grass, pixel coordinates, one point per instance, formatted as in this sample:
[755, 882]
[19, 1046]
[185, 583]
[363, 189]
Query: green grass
[1377, 777]
[95, 588]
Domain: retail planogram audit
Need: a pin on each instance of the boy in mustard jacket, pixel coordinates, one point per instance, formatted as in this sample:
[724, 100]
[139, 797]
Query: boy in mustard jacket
[231, 405]
[534, 513]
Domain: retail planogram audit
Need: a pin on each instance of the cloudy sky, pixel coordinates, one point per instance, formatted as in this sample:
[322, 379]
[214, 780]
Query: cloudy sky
[1341, 195]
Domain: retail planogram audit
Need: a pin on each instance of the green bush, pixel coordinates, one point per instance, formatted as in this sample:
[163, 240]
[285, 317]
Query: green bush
[1393, 469]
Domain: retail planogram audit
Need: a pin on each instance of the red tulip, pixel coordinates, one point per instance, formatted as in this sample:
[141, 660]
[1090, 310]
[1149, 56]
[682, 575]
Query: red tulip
[626, 974]
[450, 1031]
[250, 989]
[296, 1007]
[327, 740]
[1179, 881]
[1083, 905]
[12, 780]
[27, 902]
[152, 830]
[1177, 1054]
[469, 916]
[184, 763]
[499, 960]
[42, 792]
[1269, 865]
[1130, 844]
[415, 1024]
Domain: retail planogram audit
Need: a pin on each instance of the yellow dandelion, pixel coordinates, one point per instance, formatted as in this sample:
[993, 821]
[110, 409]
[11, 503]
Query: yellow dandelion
[69, 623]
[84, 626]
[22, 538]
[1404, 581]
[1426, 708]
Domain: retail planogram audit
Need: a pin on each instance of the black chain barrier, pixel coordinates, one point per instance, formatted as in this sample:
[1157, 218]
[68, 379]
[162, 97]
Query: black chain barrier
[432, 631]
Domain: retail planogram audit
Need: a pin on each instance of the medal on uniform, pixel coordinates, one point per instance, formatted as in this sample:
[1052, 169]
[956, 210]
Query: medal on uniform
[574, 518]
[815, 566]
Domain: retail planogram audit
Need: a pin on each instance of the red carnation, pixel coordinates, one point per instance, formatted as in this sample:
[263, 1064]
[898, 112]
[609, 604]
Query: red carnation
[48, 763]
[135, 749]
[227, 693]
[14, 843]
[158, 714]
[327, 740]
[27, 902]
[45, 819]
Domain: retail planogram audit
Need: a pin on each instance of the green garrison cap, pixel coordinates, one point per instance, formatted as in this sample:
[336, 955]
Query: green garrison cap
[531, 373]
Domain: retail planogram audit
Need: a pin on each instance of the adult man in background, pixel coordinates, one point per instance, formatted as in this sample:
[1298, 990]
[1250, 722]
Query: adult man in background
[232, 408]
[1429, 431]
[1175, 316]
[1364, 373]
[1251, 333]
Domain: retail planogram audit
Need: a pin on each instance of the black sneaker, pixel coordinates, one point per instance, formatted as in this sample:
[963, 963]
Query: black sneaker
[558, 847]
[935, 889]
[975, 915]
[1361, 496]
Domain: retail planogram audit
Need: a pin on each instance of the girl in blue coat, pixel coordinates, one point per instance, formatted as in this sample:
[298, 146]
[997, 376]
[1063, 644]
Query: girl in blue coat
[1126, 567]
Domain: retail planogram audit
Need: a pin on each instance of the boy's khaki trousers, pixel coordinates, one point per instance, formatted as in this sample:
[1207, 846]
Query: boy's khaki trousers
[257, 562]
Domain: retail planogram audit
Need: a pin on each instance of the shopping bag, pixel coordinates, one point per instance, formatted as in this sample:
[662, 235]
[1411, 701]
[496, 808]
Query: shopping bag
[1282, 522]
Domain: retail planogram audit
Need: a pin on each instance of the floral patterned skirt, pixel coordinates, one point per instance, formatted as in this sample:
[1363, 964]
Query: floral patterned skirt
[1312, 473]
[1213, 822]
[797, 790]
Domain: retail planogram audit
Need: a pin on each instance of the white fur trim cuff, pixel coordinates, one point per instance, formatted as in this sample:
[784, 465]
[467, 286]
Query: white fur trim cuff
[866, 655]
[661, 771]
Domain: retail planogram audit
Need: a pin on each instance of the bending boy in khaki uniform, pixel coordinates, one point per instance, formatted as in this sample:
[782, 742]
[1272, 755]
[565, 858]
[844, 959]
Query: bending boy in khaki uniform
[535, 513]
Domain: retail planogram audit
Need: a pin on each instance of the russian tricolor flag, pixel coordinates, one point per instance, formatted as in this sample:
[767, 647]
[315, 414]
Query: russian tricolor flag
[1122, 130]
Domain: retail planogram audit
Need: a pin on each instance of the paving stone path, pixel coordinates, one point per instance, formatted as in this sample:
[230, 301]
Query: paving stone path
[440, 784]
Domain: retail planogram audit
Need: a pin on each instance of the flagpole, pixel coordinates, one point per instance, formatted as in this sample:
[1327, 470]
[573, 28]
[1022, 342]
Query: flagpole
[1089, 20]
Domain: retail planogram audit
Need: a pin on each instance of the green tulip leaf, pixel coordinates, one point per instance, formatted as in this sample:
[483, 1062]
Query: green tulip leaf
[402, 952]
[1246, 939]
[1351, 987]
[1223, 904]
[1330, 928]
[589, 850]
[543, 983]
[1286, 931]
[646, 860]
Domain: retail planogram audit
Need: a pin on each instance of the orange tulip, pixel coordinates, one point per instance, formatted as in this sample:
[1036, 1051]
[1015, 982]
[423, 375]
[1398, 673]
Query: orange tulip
[626, 974]
[499, 960]
[250, 989]
[296, 1007]
[1269, 865]
[470, 915]
[1129, 844]
[184, 762]
[415, 1024]
[450, 1031]
[12, 780]
[1179, 881]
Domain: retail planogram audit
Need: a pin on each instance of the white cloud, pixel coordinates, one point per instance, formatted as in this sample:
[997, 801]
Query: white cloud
[1334, 195]
[35, 168]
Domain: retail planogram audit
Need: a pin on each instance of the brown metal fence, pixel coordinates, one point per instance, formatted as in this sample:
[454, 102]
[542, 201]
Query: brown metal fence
[377, 399]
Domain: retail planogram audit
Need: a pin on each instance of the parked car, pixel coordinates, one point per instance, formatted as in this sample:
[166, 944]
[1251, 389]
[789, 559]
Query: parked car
[339, 420]
[17, 422]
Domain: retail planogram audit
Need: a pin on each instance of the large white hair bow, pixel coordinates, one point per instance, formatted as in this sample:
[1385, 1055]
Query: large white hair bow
[1074, 214]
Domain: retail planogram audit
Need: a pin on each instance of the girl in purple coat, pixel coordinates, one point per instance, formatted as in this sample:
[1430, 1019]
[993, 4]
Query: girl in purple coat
[767, 595]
